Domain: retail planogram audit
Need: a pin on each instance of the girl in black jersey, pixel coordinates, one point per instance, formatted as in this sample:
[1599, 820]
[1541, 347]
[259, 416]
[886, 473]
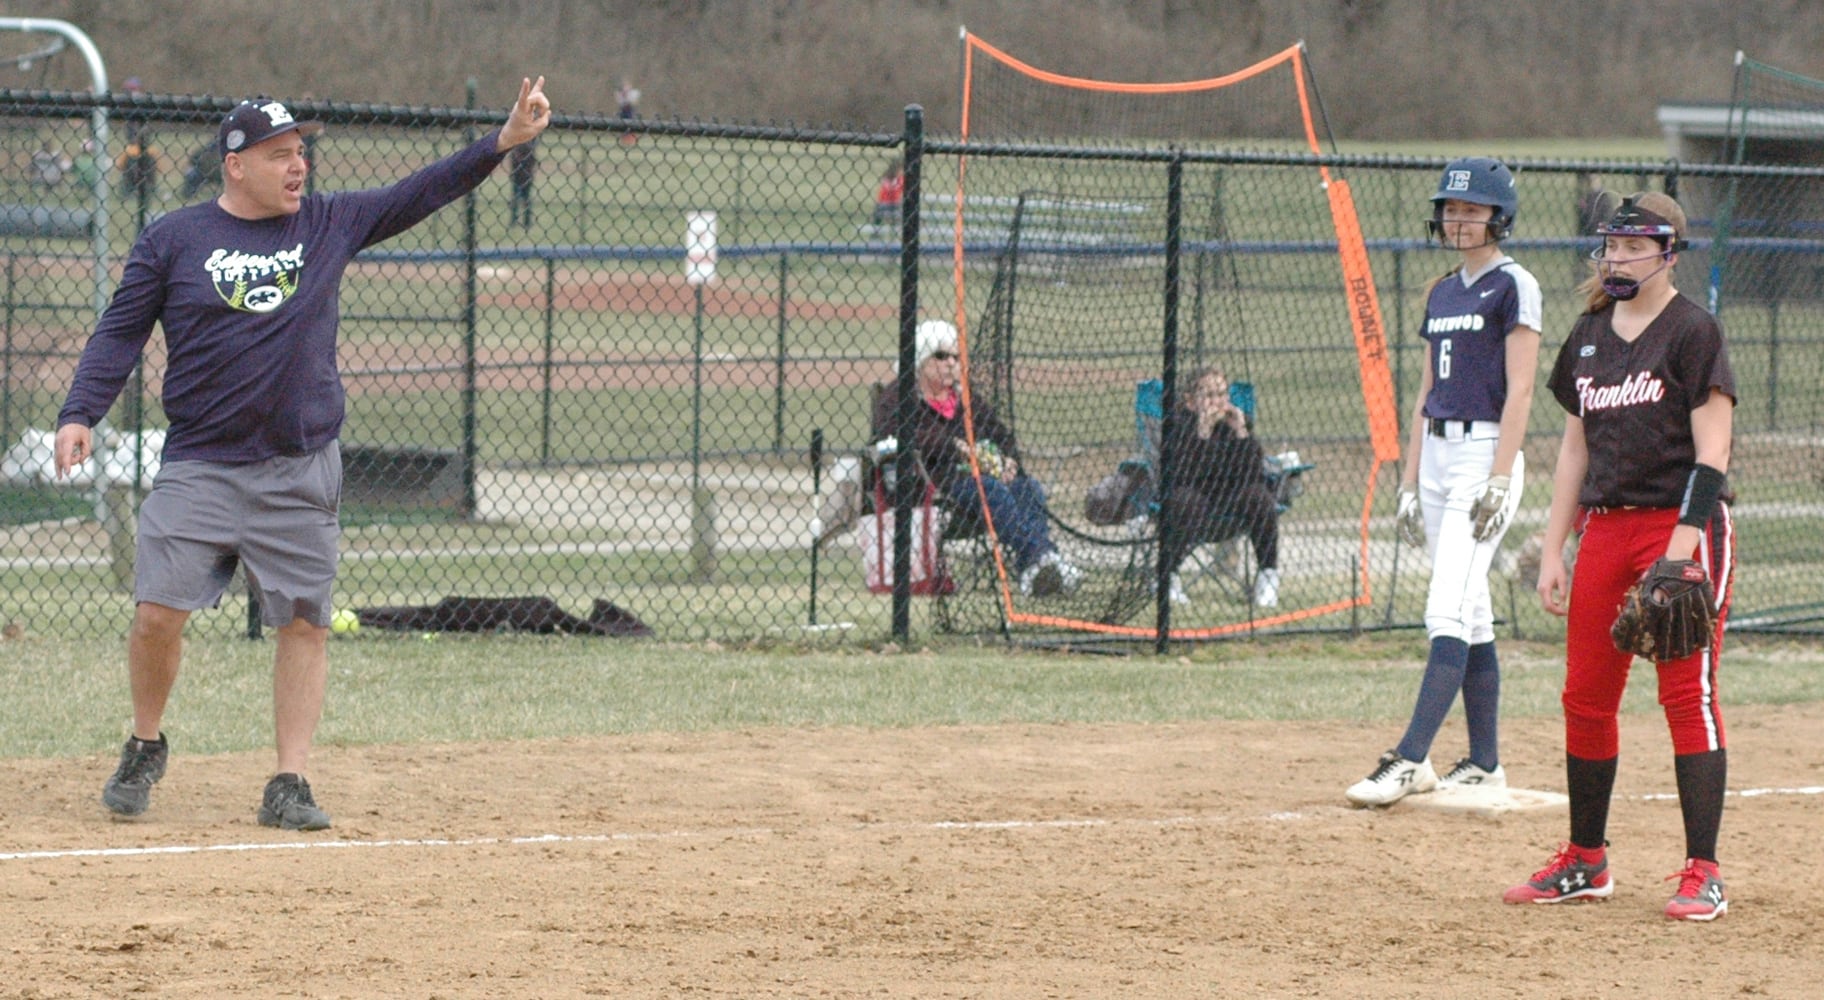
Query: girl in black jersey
[1649, 394]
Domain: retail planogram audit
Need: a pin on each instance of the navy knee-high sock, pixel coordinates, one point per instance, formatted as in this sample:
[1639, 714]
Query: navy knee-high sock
[1482, 705]
[1443, 679]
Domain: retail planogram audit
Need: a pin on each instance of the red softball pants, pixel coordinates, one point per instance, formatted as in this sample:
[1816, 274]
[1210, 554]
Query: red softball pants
[1617, 545]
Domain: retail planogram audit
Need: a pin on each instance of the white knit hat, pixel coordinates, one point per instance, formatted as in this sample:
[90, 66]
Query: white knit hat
[934, 335]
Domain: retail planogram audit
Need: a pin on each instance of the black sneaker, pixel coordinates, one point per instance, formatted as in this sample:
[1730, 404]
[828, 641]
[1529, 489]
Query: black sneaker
[287, 804]
[142, 763]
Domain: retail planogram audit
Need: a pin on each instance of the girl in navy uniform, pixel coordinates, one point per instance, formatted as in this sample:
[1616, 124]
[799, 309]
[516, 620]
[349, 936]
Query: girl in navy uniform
[1481, 331]
[1650, 397]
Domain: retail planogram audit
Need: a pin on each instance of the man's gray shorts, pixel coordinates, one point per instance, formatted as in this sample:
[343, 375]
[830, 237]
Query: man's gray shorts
[277, 518]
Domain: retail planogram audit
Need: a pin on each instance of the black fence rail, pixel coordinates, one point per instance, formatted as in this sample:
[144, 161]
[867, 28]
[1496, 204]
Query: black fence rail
[545, 399]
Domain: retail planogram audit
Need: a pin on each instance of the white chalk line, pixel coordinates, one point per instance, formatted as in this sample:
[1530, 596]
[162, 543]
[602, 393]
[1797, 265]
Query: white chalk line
[314, 845]
[592, 838]
[1746, 793]
[751, 831]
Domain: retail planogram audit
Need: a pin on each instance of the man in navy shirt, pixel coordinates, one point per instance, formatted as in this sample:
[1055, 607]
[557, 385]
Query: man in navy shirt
[246, 288]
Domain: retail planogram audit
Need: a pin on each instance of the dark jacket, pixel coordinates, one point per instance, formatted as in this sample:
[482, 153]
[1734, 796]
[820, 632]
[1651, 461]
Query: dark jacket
[1219, 466]
[933, 436]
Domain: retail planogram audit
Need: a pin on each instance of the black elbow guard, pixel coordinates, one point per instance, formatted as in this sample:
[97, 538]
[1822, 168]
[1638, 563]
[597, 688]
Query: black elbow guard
[1702, 491]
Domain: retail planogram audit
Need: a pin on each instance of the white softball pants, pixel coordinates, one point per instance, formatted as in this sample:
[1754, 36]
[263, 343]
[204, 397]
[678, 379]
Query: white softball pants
[1453, 470]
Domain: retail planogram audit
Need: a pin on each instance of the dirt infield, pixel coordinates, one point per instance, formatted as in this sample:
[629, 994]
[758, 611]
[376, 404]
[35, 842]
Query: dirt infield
[1203, 859]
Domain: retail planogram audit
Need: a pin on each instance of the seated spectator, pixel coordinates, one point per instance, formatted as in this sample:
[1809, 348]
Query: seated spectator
[139, 166]
[88, 172]
[1220, 487]
[1015, 500]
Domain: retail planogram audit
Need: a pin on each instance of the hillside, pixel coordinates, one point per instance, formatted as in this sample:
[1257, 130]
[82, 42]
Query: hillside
[1387, 69]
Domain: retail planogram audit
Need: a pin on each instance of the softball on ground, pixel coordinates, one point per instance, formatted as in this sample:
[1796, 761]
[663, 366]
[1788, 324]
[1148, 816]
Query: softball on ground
[345, 622]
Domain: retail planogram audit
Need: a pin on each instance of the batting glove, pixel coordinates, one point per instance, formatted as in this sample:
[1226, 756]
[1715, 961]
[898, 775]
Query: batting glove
[1490, 511]
[1411, 518]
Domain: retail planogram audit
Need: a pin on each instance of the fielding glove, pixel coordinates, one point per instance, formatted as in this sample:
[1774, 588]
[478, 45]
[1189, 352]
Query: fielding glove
[1669, 614]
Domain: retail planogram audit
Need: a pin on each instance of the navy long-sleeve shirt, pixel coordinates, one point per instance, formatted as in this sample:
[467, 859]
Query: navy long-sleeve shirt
[249, 311]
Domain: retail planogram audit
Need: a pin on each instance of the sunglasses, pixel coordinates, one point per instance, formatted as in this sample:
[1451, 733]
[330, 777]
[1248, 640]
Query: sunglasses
[944, 355]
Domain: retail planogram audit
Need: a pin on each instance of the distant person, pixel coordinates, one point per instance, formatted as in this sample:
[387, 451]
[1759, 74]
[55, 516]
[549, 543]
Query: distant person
[1220, 486]
[889, 195]
[628, 97]
[1589, 202]
[135, 127]
[1464, 471]
[139, 167]
[1591, 211]
[49, 166]
[522, 167]
[245, 288]
[205, 169]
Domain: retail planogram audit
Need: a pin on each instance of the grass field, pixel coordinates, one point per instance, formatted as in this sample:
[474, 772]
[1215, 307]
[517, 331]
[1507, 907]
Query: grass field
[67, 698]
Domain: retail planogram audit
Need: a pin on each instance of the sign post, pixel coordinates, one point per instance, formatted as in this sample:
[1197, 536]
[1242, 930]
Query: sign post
[699, 270]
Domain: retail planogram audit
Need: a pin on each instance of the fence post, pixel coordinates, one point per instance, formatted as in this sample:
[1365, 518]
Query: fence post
[702, 501]
[468, 335]
[1168, 374]
[544, 430]
[906, 480]
[779, 361]
[254, 629]
[1773, 363]
[1399, 328]
[6, 366]
[817, 502]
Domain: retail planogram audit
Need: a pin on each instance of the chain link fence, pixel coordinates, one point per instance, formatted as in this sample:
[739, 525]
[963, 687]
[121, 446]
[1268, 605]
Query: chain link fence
[640, 368]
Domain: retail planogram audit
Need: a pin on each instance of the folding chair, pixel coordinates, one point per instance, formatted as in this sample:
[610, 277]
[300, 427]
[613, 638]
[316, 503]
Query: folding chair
[1227, 563]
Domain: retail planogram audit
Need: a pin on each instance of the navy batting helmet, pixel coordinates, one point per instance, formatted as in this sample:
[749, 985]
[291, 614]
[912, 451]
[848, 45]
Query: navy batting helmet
[1478, 180]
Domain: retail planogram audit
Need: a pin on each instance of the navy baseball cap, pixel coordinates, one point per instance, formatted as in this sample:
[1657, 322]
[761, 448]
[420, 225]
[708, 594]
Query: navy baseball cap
[254, 121]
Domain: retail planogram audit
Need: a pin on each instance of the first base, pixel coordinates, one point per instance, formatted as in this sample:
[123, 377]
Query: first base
[1477, 800]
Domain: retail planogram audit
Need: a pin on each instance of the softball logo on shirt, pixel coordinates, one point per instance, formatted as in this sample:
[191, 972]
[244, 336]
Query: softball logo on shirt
[257, 283]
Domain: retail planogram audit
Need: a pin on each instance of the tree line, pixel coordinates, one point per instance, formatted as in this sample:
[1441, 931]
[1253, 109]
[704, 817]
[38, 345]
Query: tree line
[1386, 69]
